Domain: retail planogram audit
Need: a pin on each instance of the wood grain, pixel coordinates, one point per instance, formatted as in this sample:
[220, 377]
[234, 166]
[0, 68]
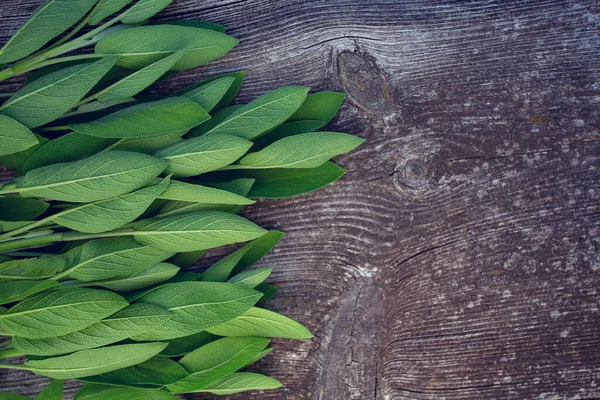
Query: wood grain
[459, 257]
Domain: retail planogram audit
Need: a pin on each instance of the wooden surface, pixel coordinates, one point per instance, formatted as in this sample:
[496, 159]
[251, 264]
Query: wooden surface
[460, 256]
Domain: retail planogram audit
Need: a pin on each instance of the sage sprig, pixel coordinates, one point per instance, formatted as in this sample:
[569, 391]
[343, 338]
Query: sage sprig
[116, 192]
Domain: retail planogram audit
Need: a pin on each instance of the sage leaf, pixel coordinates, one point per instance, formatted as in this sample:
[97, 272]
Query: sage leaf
[139, 80]
[279, 183]
[91, 391]
[94, 178]
[185, 197]
[217, 118]
[147, 277]
[53, 391]
[131, 320]
[48, 97]
[210, 94]
[106, 8]
[13, 396]
[142, 10]
[196, 306]
[195, 231]
[263, 114]
[102, 259]
[60, 312]
[233, 90]
[196, 24]
[14, 136]
[285, 130]
[260, 322]
[258, 249]
[17, 290]
[156, 372]
[69, 147]
[141, 46]
[187, 259]
[202, 154]
[267, 290]
[306, 150]
[156, 118]
[319, 106]
[43, 267]
[241, 382]
[183, 345]
[220, 271]
[48, 21]
[95, 361]
[216, 360]
[7, 226]
[251, 278]
[109, 214]
[148, 145]
[17, 160]
[21, 209]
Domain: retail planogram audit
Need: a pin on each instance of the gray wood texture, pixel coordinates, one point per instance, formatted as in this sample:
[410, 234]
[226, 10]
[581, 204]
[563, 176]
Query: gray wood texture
[460, 256]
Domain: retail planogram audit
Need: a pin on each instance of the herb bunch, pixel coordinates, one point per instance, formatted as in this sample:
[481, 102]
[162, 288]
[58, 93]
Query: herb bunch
[117, 192]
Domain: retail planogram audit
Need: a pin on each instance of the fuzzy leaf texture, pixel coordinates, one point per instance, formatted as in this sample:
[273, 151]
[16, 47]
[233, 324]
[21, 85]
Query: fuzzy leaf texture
[60, 312]
[48, 21]
[141, 46]
[98, 177]
[48, 97]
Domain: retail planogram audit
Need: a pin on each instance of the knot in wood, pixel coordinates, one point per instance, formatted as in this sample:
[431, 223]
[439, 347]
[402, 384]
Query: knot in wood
[415, 174]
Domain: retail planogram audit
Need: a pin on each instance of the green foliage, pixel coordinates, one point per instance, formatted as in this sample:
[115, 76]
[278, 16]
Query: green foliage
[117, 189]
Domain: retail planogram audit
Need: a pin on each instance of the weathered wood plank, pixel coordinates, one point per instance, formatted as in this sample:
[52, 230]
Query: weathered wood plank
[459, 258]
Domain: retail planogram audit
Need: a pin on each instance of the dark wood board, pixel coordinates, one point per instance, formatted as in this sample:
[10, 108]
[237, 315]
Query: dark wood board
[460, 256]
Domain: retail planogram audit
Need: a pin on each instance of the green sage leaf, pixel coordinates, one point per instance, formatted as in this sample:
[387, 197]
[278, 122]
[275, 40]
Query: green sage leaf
[319, 106]
[156, 372]
[217, 118]
[21, 209]
[48, 21]
[31, 268]
[95, 361]
[216, 360]
[148, 145]
[306, 150]
[147, 277]
[17, 290]
[263, 114]
[279, 183]
[143, 10]
[50, 96]
[18, 160]
[183, 345]
[210, 94]
[106, 8]
[203, 154]
[131, 320]
[197, 306]
[70, 147]
[109, 214]
[53, 391]
[196, 231]
[141, 46]
[102, 259]
[14, 136]
[156, 118]
[251, 278]
[233, 90]
[91, 391]
[261, 322]
[94, 178]
[183, 191]
[241, 382]
[285, 130]
[60, 312]
[139, 80]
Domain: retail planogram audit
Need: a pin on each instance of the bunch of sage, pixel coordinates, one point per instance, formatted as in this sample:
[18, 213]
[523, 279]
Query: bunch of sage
[117, 192]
